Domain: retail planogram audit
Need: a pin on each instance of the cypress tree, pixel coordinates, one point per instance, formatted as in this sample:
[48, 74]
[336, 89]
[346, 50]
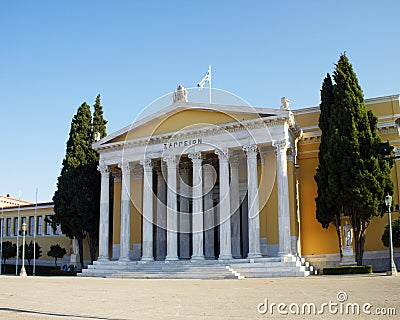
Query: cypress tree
[327, 211]
[99, 126]
[357, 180]
[99, 123]
[73, 198]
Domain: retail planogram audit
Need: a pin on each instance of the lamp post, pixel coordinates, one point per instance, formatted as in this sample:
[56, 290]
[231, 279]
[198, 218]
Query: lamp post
[392, 266]
[23, 272]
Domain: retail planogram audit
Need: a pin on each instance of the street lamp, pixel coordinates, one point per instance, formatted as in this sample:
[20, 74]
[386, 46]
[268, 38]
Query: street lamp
[23, 272]
[392, 266]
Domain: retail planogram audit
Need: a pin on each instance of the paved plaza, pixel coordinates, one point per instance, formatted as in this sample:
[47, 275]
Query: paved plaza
[96, 298]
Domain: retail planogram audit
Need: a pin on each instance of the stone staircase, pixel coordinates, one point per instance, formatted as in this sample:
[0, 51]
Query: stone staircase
[203, 269]
[274, 267]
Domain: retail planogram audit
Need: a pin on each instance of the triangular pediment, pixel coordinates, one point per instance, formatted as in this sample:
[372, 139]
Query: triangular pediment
[184, 116]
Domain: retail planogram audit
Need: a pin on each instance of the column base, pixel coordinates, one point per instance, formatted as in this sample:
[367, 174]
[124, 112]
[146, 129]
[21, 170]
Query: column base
[103, 259]
[171, 258]
[147, 259]
[285, 254]
[225, 257]
[254, 255]
[197, 258]
[124, 259]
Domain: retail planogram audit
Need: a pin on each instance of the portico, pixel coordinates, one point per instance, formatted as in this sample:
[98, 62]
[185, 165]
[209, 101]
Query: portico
[191, 189]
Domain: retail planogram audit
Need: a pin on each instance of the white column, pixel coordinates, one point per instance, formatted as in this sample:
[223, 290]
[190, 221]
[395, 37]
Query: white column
[125, 212]
[184, 213]
[235, 207]
[283, 198]
[209, 222]
[147, 247]
[161, 215]
[172, 214]
[197, 207]
[253, 202]
[224, 206]
[104, 213]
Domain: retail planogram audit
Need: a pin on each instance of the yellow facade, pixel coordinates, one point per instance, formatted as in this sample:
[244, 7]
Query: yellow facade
[185, 127]
[45, 236]
[314, 239]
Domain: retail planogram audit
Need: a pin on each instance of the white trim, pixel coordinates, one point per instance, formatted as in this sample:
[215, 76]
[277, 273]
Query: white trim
[182, 106]
[390, 98]
[206, 131]
[306, 110]
[30, 208]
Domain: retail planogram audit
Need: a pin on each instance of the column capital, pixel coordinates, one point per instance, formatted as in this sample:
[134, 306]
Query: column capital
[184, 169]
[223, 154]
[147, 164]
[116, 174]
[196, 158]
[171, 160]
[280, 145]
[234, 161]
[103, 168]
[251, 150]
[262, 157]
[125, 167]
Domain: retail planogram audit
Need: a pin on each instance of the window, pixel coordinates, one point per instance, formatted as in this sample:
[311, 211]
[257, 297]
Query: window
[2, 226]
[39, 225]
[16, 226]
[48, 225]
[8, 232]
[31, 225]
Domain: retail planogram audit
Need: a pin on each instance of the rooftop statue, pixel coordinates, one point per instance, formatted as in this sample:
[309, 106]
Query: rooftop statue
[285, 103]
[180, 95]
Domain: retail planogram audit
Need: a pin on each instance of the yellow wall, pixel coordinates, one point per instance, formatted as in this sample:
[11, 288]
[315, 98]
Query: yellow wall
[44, 240]
[136, 209]
[116, 233]
[315, 239]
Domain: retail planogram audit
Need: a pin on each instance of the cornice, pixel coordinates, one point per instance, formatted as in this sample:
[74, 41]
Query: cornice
[208, 131]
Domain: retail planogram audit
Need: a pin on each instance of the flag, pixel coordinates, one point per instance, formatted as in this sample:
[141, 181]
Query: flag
[206, 78]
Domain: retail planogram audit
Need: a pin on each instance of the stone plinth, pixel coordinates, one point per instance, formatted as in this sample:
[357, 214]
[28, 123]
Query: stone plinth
[348, 257]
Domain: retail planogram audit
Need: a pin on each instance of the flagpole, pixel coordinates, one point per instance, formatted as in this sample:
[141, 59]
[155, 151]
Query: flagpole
[34, 237]
[209, 68]
[16, 259]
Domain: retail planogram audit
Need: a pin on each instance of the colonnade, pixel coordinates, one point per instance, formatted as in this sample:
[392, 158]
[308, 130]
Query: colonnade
[202, 214]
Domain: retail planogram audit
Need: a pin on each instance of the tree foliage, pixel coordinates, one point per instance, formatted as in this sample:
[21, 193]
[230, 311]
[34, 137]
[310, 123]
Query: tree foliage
[351, 177]
[30, 252]
[77, 198]
[57, 252]
[9, 251]
[395, 234]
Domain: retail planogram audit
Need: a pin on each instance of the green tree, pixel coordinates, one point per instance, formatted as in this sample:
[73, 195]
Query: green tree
[99, 123]
[73, 197]
[57, 252]
[395, 234]
[99, 128]
[29, 252]
[77, 198]
[327, 209]
[9, 251]
[357, 180]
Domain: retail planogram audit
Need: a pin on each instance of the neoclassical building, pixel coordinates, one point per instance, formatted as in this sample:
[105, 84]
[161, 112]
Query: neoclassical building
[196, 181]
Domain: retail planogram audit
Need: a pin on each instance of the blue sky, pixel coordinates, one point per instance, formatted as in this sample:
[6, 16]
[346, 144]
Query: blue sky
[55, 55]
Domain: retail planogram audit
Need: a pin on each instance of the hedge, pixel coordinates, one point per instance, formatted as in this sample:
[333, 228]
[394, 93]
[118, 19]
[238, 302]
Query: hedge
[348, 270]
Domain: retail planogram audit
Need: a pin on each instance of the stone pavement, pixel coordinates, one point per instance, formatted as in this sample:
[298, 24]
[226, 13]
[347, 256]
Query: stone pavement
[96, 298]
